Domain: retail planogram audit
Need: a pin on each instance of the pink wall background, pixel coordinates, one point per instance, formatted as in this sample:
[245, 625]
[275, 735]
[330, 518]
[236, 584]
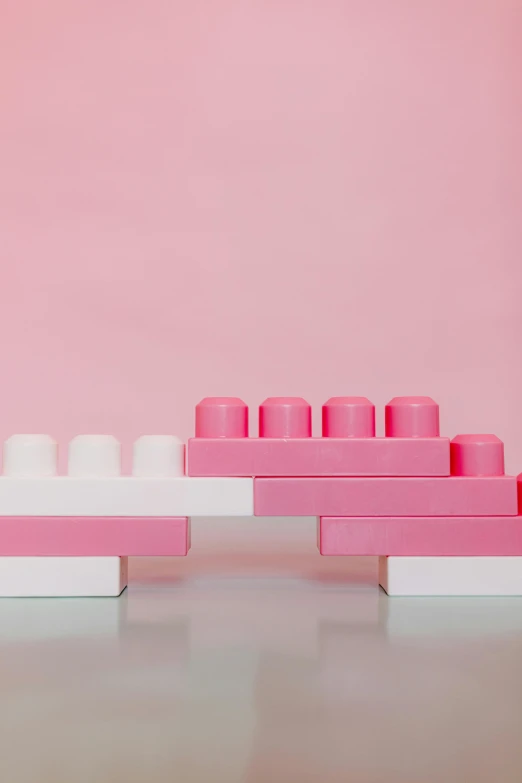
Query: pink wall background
[258, 198]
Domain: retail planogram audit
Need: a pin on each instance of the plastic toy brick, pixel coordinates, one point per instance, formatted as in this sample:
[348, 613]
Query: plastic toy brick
[456, 576]
[477, 455]
[62, 576]
[318, 457]
[421, 536]
[126, 497]
[379, 497]
[348, 446]
[158, 488]
[94, 536]
[30, 456]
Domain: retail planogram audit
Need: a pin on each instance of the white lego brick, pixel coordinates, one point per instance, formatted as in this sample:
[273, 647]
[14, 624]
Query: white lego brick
[94, 486]
[30, 455]
[458, 576]
[126, 496]
[158, 455]
[94, 456]
[52, 577]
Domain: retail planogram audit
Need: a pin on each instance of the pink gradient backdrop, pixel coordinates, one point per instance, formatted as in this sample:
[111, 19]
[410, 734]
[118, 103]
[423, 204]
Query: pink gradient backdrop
[257, 198]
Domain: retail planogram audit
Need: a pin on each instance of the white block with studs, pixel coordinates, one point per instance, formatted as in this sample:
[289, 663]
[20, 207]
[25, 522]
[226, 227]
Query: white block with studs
[51, 577]
[94, 456]
[94, 486]
[158, 456]
[446, 576]
[30, 455]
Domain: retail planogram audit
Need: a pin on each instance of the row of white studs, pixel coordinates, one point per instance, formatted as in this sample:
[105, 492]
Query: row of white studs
[93, 456]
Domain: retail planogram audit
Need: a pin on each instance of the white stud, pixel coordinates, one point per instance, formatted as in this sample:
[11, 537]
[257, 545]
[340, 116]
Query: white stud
[158, 456]
[30, 455]
[94, 456]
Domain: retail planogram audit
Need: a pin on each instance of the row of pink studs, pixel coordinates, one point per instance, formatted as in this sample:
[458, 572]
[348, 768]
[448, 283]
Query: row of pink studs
[343, 417]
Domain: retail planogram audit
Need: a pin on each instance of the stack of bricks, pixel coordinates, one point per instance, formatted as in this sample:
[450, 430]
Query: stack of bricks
[441, 515]
[71, 535]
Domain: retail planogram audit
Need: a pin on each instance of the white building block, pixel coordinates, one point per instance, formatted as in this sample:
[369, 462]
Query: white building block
[94, 486]
[62, 576]
[459, 576]
[30, 455]
[126, 496]
[94, 455]
[158, 455]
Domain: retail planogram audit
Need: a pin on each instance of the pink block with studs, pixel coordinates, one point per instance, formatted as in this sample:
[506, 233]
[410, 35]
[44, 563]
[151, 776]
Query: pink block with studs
[493, 536]
[318, 457]
[285, 417]
[285, 446]
[412, 417]
[221, 417]
[390, 496]
[477, 455]
[348, 417]
[94, 536]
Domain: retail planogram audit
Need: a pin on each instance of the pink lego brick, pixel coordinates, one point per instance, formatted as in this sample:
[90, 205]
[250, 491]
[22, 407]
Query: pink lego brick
[318, 457]
[348, 417]
[390, 496]
[348, 446]
[285, 417]
[477, 455]
[221, 417]
[412, 417]
[94, 536]
[421, 536]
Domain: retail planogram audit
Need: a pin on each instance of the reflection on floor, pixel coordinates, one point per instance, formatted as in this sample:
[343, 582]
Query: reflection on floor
[291, 673]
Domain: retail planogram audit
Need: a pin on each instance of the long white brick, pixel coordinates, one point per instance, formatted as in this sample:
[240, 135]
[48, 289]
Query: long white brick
[50, 577]
[445, 576]
[180, 496]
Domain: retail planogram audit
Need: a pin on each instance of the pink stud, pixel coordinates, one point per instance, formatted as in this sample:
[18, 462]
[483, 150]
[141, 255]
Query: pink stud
[477, 455]
[412, 417]
[285, 417]
[221, 417]
[348, 417]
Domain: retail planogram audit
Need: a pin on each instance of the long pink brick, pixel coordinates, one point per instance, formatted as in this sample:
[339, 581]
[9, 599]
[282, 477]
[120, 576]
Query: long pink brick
[318, 457]
[94, 536]
[421, 536]
[381, 497]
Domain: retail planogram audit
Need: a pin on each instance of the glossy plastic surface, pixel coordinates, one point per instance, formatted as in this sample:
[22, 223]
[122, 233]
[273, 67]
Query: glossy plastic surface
[354, 497]
[94, 536]
[421, 536]
[318, 457]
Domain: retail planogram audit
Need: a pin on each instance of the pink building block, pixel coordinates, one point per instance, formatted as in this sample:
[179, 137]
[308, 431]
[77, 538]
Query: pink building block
[390, 496]
[94, 536]
[221, 417]
[348, 417]
[477, 455]
[285, 417]
[412, 417]
[348, 446]
[421, 536]
[318, 457]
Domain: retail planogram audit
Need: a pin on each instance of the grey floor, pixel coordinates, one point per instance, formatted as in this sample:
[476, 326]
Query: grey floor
[260, 666]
